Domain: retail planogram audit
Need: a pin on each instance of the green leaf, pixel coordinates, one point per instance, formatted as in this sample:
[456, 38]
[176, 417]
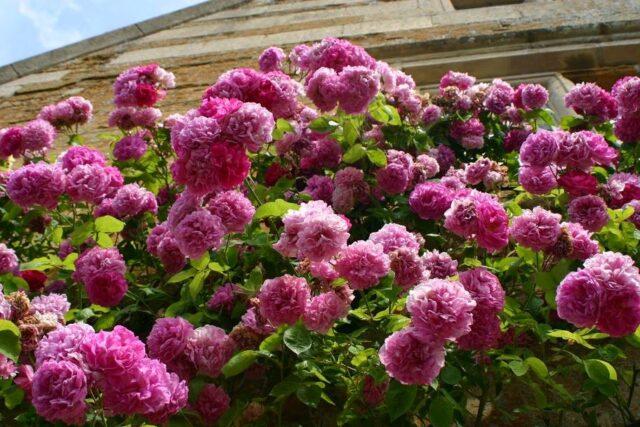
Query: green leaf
[13, 397]
[537, 366]
[104, 240]
[450, 375]
[384, 113]
[297, 338]
[282, 127]
[441, 412]
[56, 235]
[239, 363]
[217, 267]
[547, 116]
[285, 387]
[354, 154]
[309, 394]
[399, 399]
[108, 224]
[200, 263]
[277, 208]
[271, 343]
[377, 157]
[518, 367]
[323, 125]
[69, 262]
[600, 371]
[196, 283]
[569, 336]
[105, 322]
[350, 130]
[182, 276]
[9, 339]
[40, 264]
[81, 233]
[176, 308]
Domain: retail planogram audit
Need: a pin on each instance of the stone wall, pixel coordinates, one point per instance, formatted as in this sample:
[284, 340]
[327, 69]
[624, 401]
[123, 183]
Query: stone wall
[582, 39]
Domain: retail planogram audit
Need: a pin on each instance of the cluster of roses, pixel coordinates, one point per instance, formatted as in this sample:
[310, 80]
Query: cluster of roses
[74, 362]
[541, 230]
[597, 105]
[605, 294]
[463, 311]
[35, 138]
[102, 272]
[197, 224]
[545, 155]
[82, 174]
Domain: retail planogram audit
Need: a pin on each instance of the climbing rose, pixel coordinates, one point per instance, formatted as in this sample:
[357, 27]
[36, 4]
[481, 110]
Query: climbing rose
[323, 310]
[407, 267]
[212, 403]
[36, 184]
[439, 265]
[131, 147]
[8, 260]
[96, 261]
[363, 264]
[72, 111]
[199, 232]
[56, 304]
[582, 245]
[168, 338]
[358, 86]
[59, 390]
[209, 348]
[314, 232]
[410, 360]
[430, 200]
[485, 331]
[578, 183]
[589, 211]
[395, 236]
[604, 294]
[537, 229]
[323, 87]
[271, 59]
[88, 183]
[63, 343]
[283, 299]
[590, 100]
[234, 210]
[537, 180]
[112, 353]
[222, 298]
[485, 289]
[539, 149]
[530, 96]
[440, 310]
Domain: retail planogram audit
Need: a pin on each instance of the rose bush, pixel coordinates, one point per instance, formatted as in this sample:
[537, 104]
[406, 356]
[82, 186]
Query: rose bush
[316, 242]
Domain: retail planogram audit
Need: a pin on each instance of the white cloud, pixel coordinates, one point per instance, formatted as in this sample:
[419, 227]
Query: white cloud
[45, 17]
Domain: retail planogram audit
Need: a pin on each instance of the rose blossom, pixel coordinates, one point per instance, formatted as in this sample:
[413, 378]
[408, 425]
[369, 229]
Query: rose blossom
[440, 310]
[209, 348]
[58, 392]
[589, 211]
[233, 208]
[409, 359]
[537, 229]
[363, 264]
[283, 299]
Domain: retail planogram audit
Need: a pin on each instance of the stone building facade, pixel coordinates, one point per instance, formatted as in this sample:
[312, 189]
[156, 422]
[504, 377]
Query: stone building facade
[555, 42]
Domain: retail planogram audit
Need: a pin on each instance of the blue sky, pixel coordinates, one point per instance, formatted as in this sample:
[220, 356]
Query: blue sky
[29, 27]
